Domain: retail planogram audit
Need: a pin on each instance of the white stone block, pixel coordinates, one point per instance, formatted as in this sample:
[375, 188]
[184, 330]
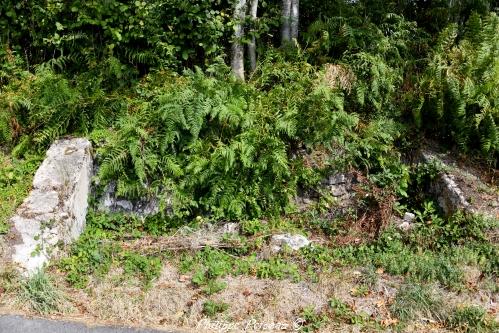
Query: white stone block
[56, 208]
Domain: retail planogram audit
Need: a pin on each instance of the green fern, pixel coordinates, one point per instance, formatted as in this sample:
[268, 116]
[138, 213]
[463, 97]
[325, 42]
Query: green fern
[219, 146]
[460, 85]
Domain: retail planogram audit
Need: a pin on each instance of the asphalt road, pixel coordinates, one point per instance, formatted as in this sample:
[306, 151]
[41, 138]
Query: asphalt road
[19, 324]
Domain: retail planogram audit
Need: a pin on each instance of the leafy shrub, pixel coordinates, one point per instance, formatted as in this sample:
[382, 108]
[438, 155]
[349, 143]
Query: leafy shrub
[140, 34]
[375, 58]
[47, 105]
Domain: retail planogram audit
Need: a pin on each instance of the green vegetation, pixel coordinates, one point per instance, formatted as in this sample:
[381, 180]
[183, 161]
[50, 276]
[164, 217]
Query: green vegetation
[459, 86]
[426, 255]
[40, 293]
[358, 87]
[312, 321]
[97, 250]
[15, 181]
[212, 308]
[416, 301]
[471, 319]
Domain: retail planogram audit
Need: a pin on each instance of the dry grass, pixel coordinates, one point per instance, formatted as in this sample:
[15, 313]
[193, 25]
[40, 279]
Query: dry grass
[174, 303]
[184, 239]
[339, 77]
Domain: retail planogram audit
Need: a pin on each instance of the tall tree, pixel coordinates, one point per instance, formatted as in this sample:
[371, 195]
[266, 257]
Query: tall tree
[294, 18]
[252, 43]
[237, 63]
[286, 24]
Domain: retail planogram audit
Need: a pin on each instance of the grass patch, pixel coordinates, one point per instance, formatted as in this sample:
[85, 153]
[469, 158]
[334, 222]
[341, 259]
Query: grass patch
[40, 293]
[415, 301]
[471, 319]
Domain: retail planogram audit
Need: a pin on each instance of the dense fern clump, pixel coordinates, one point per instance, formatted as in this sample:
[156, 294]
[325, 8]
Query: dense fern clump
[220, 146]
[379, 56]
[459, 92]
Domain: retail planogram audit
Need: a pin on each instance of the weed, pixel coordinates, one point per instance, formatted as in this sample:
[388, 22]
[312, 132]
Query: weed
[89, 255]
[253, 227]
[360, 291]
[275, 268]
[327, 226]
[435, 232]
[340, 309]
[210, 264]
[4, 227]
[213, 287]
[398, 258]
[146, 267]
[312, 320]
[369, 277]
[9, 278]
[40, 293]
[212, 308]
[15, 181]
[317, 257]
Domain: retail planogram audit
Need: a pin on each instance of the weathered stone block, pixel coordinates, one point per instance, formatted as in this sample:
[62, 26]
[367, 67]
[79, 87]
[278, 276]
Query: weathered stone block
[55, 210]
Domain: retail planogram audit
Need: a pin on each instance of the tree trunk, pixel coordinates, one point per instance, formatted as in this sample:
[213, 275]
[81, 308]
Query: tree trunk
[295, 18]
[237, 63]
[286, 28]
[252, 44]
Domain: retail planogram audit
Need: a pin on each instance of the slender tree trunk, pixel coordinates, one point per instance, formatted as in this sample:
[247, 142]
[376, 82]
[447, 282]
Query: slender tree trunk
[286, 28]
[237, 63]
[252, 44]
[295, 18]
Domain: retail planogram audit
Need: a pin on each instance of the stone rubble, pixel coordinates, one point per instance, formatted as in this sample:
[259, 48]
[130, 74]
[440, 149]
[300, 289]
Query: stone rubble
[339, 185]
[110, 202]
[294, 242]
[407, 222]
[449, 196]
